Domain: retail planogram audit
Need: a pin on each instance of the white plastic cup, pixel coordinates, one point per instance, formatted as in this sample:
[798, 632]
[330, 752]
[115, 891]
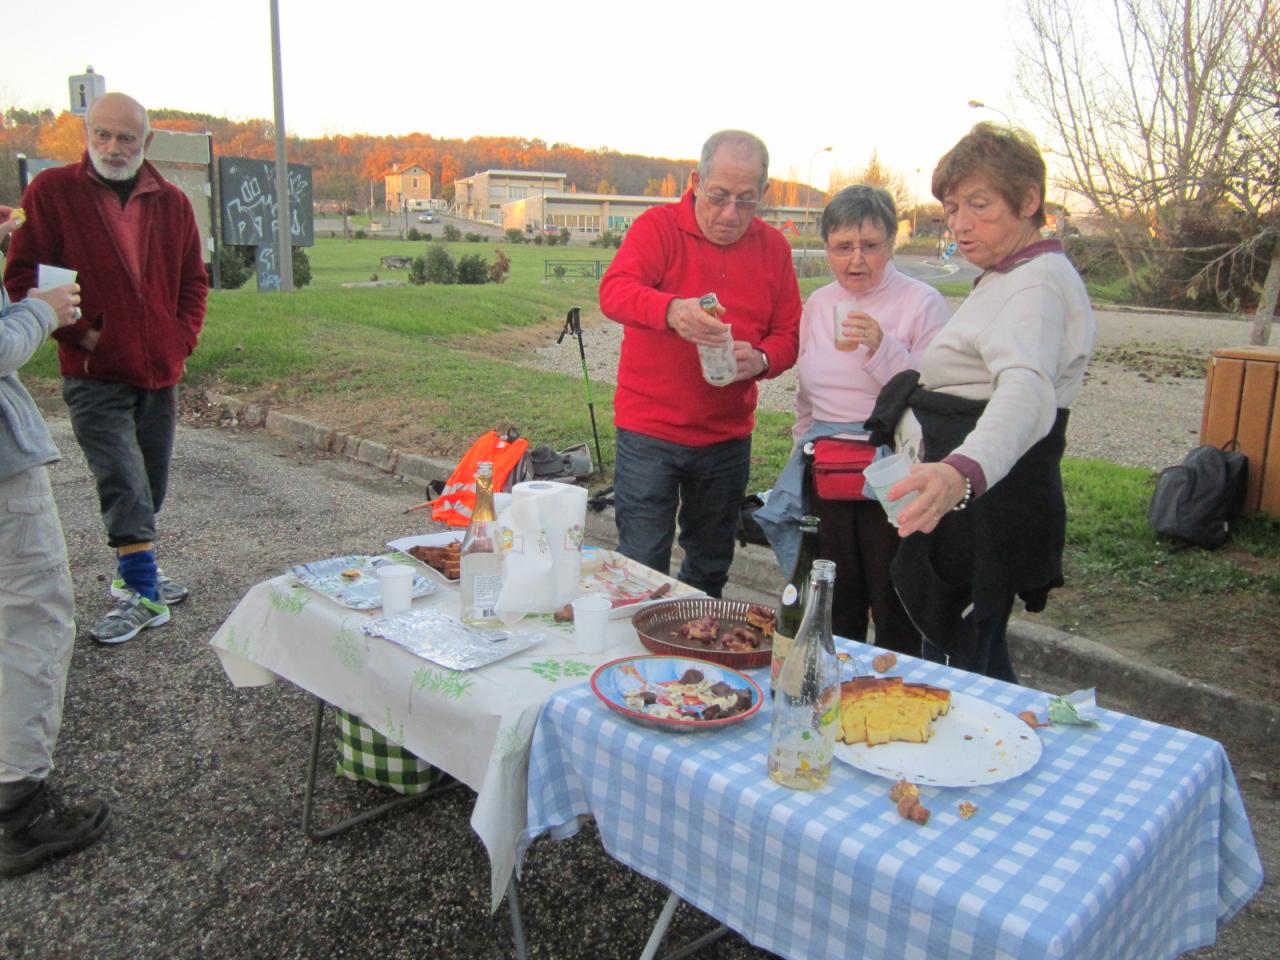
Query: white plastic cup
[843, 309]
[50, 277]
[591, 622]
[883, 475]
[396, 582]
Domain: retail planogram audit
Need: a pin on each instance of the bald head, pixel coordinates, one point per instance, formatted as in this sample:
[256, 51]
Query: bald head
[118, 134]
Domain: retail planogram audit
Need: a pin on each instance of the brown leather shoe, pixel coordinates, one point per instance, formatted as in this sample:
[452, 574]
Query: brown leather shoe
[40, 830]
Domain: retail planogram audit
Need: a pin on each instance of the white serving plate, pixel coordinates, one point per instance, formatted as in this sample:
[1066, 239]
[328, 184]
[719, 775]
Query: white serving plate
[999, 747]
[626, 582]
[427, 540]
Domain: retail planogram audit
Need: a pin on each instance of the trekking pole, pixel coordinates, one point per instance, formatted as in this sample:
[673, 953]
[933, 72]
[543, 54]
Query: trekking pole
[573, 327]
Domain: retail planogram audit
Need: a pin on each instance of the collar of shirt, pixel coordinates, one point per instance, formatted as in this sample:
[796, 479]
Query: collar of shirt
[1019, 257]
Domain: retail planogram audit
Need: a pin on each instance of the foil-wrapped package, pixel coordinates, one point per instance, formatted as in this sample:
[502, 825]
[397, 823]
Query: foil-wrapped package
[446, 640]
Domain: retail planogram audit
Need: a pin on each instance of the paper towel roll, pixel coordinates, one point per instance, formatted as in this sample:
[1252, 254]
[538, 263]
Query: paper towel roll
[542, 556]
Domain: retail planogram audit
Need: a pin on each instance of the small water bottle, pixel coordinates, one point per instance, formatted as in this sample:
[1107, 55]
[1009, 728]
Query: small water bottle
[719, 366]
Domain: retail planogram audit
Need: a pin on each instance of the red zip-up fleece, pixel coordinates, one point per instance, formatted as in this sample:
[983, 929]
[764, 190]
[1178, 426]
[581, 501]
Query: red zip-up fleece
[661, 392]
[148, 314]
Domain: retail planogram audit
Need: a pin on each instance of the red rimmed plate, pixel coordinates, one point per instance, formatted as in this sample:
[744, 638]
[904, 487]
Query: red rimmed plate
[678, 699]
[659, 630]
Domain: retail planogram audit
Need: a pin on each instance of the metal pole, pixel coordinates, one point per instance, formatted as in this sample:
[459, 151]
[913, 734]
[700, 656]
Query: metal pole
[215, 268]
[283, 241]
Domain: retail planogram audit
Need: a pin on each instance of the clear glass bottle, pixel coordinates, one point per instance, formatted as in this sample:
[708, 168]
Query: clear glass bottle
[719, 365]
[791, 604]
[806, 707]
[481, 566]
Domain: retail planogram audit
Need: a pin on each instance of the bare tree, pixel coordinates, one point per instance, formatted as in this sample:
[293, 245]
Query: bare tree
[1165, 111]
[876, 174]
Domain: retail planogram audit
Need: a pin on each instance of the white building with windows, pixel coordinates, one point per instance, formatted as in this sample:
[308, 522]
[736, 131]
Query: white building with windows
[481, 196]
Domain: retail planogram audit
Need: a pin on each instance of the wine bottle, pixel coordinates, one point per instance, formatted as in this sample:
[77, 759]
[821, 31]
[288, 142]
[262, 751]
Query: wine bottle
[792, 601]
[806, 704]
[481, 566]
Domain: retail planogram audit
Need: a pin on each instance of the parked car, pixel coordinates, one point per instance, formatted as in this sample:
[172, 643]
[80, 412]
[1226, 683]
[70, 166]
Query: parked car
[551, 230]
[427, 218]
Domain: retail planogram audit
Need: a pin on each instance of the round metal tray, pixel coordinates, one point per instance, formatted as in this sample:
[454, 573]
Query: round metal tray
[657, 629]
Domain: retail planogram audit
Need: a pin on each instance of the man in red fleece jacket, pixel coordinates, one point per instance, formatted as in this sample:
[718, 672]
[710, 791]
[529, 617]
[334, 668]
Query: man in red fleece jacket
[132, 238]
[683, 445]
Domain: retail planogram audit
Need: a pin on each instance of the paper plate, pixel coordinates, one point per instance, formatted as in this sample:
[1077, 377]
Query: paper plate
[975, 743]
[613, 681]
[427, 540]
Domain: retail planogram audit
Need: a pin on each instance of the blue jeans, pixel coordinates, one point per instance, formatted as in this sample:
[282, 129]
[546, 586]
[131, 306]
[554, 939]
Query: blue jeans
[657, 482]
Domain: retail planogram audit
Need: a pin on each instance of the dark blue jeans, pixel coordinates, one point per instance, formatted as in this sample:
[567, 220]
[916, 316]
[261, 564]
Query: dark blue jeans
[657, 482]
[127, 435]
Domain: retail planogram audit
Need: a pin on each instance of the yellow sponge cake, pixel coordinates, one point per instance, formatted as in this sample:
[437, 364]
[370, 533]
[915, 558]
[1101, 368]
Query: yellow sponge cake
[883, 709]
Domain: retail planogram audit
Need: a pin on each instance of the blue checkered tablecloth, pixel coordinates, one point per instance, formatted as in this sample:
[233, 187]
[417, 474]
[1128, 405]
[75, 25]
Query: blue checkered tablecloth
[1128, 840]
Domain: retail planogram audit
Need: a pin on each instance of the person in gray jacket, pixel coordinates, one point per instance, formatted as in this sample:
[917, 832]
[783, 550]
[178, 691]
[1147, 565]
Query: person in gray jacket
[37, 603]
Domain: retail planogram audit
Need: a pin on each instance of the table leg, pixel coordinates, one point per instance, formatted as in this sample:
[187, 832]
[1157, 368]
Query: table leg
[308, 793]
[660, 931]
[517, 922]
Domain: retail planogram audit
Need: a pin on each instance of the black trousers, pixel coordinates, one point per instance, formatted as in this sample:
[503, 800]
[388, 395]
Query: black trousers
[858, 537]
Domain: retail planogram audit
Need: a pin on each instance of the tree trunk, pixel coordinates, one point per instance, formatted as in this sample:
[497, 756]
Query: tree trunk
[1260, 333]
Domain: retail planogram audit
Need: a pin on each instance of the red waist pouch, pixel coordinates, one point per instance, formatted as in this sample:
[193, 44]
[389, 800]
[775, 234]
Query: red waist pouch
[838, 463]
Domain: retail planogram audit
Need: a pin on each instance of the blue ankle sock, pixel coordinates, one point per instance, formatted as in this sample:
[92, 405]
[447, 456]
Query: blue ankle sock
[139, 573]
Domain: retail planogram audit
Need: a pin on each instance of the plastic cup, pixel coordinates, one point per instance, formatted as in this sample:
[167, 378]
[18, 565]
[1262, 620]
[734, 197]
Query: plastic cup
[50, 277]
[843, 309]
[883, 475]
[396, 582]
[719, 365]
[591, 622]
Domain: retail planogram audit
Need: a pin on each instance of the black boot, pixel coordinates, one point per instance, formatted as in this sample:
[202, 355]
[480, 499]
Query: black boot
[38, 830]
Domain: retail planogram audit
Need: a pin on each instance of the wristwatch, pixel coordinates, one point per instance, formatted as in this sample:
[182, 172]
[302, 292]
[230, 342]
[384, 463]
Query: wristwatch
[765, 357]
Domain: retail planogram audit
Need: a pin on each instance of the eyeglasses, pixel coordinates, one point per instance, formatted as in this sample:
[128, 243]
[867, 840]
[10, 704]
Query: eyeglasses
[844, 251]
[722, 200]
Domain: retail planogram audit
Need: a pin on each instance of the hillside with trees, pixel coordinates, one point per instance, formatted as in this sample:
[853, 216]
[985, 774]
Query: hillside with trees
[349, 169]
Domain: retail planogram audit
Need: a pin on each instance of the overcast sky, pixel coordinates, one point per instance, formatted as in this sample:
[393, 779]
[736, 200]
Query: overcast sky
[652, 78]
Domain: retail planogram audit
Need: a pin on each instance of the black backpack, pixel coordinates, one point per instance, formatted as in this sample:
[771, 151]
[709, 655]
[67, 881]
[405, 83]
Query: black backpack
[1196, 500]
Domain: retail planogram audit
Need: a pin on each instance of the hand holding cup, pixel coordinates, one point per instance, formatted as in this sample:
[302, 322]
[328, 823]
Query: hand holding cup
[65, 301]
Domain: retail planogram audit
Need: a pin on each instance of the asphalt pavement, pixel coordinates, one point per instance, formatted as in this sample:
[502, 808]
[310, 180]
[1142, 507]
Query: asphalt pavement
[206, 857]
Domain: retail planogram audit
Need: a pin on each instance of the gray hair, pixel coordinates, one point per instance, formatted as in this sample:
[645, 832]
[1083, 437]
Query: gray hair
[854, 206]
[740, 139]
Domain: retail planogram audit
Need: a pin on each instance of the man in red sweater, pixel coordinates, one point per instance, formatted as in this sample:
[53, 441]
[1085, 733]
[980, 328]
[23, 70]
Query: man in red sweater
[132, 238]
[683, 445]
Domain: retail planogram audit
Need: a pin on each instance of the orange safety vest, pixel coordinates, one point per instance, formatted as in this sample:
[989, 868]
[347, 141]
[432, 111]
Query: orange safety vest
[458, 499]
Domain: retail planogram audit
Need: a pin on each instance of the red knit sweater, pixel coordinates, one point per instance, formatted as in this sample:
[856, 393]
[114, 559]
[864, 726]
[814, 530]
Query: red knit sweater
[661, 392]
[149, 317]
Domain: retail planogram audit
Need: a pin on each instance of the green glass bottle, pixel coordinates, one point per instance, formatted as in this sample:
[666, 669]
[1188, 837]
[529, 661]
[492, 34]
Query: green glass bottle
[791, 603]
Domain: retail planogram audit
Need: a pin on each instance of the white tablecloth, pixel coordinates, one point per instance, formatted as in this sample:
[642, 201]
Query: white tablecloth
[474, 724]
[1128, 840]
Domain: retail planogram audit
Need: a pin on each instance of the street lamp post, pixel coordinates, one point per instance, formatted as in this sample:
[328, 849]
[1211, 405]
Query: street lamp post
[979, 105]
[808, 190]
[915, 212]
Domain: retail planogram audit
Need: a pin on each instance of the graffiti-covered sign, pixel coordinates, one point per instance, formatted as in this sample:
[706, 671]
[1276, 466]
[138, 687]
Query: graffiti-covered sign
[248, 199]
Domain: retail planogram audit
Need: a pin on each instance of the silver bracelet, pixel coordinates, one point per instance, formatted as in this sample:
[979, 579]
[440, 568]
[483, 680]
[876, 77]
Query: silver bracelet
[968, 495]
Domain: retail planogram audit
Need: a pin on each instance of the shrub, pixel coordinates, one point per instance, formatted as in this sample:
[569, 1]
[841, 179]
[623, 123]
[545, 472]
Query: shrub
[610, 238]
[515, 235]
[473, 269]
[551, 239]
[233, 272]
[413, 234]
[537, 239]
[360, 234]
[301, 268]
[498, 271]
[452, 233]
[474, 238]
[418, 271]
[559, 270]
[564, 236]
[427, 235]
[440, 267]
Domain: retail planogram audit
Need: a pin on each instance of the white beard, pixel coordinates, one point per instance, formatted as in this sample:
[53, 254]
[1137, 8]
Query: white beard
[107, 172]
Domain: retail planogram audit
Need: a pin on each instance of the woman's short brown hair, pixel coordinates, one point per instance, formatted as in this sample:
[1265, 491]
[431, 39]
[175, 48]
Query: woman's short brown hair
[1006, 157]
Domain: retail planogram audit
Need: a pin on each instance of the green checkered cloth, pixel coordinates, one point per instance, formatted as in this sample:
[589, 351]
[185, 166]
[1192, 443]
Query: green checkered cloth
[364, 754]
